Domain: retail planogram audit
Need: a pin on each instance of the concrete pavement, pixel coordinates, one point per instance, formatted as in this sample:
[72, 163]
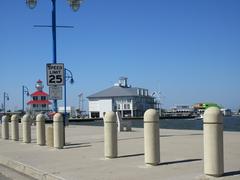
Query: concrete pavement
[10, 174]
[83, 156]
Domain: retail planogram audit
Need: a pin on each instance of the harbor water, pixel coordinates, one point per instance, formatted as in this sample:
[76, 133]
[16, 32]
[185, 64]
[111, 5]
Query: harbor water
[230, 123]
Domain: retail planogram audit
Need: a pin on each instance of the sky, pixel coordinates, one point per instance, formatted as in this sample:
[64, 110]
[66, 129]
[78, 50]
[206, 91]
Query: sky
[189, 50]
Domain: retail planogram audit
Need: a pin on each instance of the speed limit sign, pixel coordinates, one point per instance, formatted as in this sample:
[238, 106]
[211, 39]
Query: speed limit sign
[55, 74]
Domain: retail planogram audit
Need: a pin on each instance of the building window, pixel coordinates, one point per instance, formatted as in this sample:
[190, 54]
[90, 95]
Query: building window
[35, 105]
[44, 105]
[138, 92]
[43, 97]
[118, 106]
[126, 106]
[35, 98]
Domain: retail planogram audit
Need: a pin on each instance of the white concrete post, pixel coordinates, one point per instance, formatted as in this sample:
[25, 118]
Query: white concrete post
[58, 131]
[110, 135]
[41, 138]
[213, 142]
[123, 124]
[5, 127]
[151, 137]
[15, 127]
[26, 128]
[49, 136]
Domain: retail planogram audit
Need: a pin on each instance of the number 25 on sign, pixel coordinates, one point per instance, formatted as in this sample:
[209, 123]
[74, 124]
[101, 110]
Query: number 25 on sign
[55, 74]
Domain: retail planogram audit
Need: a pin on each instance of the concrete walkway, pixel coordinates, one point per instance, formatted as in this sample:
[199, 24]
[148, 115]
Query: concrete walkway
[83, 156]
[11, 174]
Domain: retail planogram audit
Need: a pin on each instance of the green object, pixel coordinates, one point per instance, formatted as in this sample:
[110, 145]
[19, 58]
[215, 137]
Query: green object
[207, 105]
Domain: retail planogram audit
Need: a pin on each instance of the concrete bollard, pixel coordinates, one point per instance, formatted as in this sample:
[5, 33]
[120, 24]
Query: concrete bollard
[40, 121]
[15, 127]
[151, 137]
[58, 131]
[5, 127]
[213, 142]
[26, 128]
[49, 137]
[110, 135]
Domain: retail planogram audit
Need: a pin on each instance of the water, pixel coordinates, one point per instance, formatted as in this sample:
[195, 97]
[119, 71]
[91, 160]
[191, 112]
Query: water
[230, 123]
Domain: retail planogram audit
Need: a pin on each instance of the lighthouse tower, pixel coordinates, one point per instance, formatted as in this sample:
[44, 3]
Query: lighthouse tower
[39, 99]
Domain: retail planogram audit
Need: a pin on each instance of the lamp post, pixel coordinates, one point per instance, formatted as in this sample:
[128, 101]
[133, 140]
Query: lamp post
[5, 97]
[74, 4]
[24, 91]
[68, 75]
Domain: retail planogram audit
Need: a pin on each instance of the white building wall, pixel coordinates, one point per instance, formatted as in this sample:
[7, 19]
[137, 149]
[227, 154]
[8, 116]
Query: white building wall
[93, 105]
[105, 106]
[102, 106]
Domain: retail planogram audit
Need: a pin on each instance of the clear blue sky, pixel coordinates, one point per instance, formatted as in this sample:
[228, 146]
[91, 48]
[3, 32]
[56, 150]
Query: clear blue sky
[187, 49]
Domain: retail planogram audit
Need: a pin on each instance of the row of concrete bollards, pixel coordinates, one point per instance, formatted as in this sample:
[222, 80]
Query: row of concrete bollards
[213, 139]
[53, 138]
[212, 126]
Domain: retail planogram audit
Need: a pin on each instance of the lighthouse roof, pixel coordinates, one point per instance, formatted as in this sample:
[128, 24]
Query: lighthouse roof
[39, 93]
[39, 102]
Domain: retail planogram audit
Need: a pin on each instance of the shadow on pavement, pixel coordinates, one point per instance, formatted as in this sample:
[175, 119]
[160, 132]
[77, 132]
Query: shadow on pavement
[232, 173]
[76, 145]
[131, 155]
[181, 161]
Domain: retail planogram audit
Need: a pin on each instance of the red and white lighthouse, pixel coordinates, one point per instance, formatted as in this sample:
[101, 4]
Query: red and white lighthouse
[39, 99]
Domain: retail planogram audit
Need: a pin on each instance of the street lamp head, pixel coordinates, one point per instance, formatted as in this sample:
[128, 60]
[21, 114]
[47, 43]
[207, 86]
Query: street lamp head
[25, 90]
[31, 3]
[75, 4]
[71, 81]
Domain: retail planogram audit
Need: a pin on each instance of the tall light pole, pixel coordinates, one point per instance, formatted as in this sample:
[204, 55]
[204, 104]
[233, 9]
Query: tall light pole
[24, 91]
[5, 97]
[74, 4]
[68, 76]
